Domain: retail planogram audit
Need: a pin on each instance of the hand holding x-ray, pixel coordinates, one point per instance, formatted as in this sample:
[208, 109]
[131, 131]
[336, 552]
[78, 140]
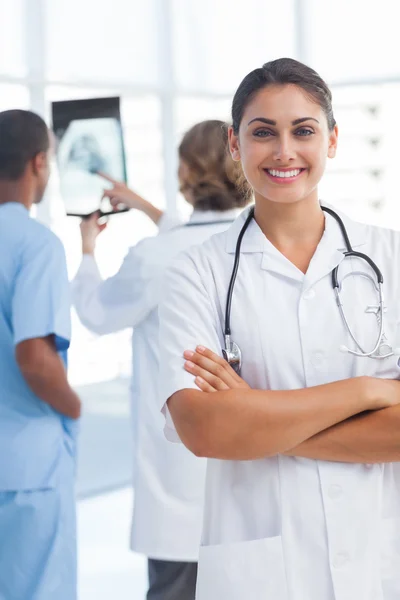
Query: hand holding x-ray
[91, 227]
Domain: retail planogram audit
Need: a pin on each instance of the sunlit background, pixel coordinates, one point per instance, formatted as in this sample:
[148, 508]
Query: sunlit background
[173, 63]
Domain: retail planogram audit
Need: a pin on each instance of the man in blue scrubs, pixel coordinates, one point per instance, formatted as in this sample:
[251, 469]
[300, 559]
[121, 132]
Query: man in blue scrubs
[38, 408]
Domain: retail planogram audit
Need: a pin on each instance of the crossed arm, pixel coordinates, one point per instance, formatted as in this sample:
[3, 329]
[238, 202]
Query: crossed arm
[355, 420]
[367, 438]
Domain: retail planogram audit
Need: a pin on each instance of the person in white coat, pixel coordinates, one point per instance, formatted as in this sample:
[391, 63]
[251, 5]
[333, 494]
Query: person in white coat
[301, 428]
[169, 481]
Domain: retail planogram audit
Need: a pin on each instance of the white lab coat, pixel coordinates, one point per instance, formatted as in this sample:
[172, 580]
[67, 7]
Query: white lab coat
[169, 480]
[287, 528]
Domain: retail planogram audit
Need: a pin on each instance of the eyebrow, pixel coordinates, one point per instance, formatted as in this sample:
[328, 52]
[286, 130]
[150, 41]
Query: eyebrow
[271, 122]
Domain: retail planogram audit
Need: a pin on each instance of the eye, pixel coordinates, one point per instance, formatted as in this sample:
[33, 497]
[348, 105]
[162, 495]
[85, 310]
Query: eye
[262, 133]
[304, 132]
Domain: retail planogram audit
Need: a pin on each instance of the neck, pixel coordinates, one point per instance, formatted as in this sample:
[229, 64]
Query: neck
[16, 191]
[290, 224]
[294, 229]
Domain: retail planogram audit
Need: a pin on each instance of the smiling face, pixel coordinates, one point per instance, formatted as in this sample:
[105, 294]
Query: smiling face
[283, 143]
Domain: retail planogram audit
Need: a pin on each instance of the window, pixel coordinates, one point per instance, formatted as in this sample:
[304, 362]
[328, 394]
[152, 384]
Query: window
[13, 96]
[102, 41]
[362, 179]
[217, 43]
[12, 50]
[354, 40]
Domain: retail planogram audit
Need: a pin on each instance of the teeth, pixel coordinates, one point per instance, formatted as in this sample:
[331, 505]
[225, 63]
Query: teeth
[284, 174]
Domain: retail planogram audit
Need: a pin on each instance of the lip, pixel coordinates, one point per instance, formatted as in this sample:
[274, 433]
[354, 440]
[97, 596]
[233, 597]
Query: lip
[285, 180]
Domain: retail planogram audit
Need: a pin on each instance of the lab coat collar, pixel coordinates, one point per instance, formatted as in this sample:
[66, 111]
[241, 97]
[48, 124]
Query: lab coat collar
[253, 241]
[356, 231]
[205, 216]
[329, 253]
[327, 256]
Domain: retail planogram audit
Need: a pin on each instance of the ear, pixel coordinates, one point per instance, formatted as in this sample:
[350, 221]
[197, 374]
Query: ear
[333, 142]
[233, 141]
[40, 162]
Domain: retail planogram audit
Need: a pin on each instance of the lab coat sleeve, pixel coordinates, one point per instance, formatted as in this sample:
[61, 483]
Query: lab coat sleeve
[118, 302]
[187, 318]
[41, 301]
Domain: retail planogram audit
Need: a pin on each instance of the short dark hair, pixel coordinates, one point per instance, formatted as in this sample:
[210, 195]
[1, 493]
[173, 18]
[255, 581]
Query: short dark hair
[23, 135]
[281, 72]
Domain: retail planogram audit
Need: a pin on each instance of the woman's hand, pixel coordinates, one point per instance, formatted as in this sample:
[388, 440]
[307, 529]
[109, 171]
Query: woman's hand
[381, 393]
[212, 372]
[90, 229]
[120, 193]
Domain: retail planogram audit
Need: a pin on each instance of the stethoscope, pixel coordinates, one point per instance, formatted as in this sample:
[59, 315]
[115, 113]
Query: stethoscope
[381, 349]
[203, 223]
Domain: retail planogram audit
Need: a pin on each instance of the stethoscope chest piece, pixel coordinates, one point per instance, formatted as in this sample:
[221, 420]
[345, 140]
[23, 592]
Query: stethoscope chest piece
[232, 354]
[385, 350]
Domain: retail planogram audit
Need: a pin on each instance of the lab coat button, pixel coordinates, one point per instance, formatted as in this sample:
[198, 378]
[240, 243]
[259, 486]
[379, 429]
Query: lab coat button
[309, 294]
[317, 359]
[341, 560]
[335, 491]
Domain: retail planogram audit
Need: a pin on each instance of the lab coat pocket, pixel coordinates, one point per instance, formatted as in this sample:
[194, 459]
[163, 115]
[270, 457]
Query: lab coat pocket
[390, 558]
[242, 570]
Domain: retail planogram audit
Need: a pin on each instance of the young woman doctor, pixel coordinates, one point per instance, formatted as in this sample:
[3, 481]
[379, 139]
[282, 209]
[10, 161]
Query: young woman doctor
[303, 482]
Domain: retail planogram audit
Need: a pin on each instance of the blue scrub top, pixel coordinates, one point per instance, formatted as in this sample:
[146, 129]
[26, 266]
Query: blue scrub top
[35, 440]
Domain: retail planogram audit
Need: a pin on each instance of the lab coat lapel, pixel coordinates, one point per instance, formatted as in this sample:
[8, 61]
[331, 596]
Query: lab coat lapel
[275, 262]
[255, 241]
[322, 263]
[328, 255]
[330, 251]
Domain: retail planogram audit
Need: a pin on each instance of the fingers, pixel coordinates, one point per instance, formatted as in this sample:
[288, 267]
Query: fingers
[214, 369]
[203, 385]
[89, 220]
[218, 360]
[92, 223]
[113, 194]
[206, 376]
[114, 197]
[213, 363]
[108, 193]
[116, 202]
[94, 216]
[107, 177]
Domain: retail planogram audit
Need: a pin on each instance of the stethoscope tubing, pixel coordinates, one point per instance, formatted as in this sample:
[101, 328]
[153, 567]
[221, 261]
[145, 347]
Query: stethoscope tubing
[349, 252]
[227, 330]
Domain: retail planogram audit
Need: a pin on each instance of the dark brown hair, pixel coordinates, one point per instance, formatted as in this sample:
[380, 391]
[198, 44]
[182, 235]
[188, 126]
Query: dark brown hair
[215, 180]
[281, 72]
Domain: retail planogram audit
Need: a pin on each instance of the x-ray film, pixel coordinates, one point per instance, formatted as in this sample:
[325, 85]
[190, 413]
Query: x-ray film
[89, 140]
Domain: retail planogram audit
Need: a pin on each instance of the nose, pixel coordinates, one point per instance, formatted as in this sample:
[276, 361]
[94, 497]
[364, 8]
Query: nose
[284, 150]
